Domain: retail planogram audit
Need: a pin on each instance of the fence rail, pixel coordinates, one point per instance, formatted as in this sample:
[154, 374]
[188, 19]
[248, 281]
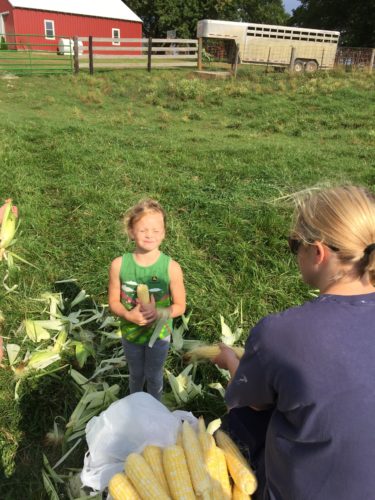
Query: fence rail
[99, 52]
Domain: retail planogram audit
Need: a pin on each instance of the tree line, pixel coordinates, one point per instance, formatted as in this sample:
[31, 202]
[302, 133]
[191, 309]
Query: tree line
[354, 19]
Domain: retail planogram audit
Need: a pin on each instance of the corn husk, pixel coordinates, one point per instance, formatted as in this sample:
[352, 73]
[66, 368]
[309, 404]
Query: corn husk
[8, 228]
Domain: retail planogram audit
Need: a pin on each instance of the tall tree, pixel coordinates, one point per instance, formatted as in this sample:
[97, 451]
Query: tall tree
[182, 15]
[354, 19]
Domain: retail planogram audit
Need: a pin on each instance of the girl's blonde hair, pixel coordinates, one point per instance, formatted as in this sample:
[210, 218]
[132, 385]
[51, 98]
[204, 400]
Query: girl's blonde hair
[143, 207]
[344, 219]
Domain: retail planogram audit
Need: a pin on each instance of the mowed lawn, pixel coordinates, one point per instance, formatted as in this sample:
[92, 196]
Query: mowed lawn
[221, 156]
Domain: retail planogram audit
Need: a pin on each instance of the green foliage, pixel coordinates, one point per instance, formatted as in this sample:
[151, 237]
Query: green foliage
[355, 20]
[182, 15]
[3, 44]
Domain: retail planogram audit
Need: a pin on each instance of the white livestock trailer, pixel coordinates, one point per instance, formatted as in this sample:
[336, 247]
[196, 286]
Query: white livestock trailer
[304, 49]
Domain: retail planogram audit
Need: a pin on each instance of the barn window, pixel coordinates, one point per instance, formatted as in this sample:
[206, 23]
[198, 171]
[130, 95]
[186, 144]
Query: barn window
[49, 29]
[115, 36]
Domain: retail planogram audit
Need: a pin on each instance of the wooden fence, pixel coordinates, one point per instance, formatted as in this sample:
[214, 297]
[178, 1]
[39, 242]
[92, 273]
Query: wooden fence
[134, 53]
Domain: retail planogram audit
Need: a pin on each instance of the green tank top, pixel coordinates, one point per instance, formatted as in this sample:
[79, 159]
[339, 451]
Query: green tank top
[156, 277]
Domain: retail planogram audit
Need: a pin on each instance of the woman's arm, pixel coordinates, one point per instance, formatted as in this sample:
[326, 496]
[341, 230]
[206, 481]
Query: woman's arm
[177, 287]
[135, 315]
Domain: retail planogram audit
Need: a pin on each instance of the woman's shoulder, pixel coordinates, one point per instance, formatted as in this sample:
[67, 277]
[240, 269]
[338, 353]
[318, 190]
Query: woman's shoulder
[288, 320]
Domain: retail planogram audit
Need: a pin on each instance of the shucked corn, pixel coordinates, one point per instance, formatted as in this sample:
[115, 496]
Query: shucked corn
[209, 352]
[143, 294]
[239, 469]
[197, 468]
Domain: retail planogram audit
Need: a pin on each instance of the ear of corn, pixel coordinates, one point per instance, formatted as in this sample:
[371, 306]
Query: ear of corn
[237, 494]
[239, 469]
[154, 457]
[214, 468]
[143, 479]
[194, 457]
[222, 484]
[143, 294]
[177, 473]
[209, 352]
[8, 226]
[120, 488]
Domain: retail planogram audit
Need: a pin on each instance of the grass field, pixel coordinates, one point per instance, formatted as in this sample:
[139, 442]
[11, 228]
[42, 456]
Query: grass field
[221, 156]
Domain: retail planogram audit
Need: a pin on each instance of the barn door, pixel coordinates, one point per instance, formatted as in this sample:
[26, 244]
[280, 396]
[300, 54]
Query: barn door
[2, 26]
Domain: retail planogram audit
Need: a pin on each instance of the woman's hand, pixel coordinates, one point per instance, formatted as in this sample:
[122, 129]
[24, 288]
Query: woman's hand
[227, 359]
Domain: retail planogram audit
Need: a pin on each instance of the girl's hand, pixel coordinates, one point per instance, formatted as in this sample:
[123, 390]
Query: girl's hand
[226, 359]
[149, 310]
[136, 316]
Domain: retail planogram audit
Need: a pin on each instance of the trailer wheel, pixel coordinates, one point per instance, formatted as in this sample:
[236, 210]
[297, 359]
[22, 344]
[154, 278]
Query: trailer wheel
[311, 66]
[299, 66]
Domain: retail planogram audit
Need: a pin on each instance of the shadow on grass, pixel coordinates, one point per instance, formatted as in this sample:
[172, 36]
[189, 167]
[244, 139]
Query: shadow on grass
[22, 438]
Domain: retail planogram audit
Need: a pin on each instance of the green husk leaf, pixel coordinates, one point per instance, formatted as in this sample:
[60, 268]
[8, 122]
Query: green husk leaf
[12, 352]
[36, 332]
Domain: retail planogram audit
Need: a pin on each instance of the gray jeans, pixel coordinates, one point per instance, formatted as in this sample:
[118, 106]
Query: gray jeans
[146, 365]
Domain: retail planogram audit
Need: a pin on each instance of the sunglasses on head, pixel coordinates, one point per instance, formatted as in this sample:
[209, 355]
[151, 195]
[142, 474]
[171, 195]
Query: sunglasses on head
[295, 243]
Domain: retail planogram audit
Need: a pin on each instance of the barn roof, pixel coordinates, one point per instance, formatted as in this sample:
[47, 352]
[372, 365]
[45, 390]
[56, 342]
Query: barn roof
[112, 9]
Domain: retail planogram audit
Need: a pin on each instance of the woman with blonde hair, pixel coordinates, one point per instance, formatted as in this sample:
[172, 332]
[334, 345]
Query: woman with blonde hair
[309, 371]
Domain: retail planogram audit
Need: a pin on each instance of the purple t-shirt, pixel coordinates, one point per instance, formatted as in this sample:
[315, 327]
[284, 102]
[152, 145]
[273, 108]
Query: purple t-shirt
[316, 365]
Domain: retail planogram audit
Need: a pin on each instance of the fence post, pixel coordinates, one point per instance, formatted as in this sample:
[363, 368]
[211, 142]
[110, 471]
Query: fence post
[76, 55]
[235, 61]
[91, 56]
[372, 60]
[292, 59]
[149, 54]
[200, 50]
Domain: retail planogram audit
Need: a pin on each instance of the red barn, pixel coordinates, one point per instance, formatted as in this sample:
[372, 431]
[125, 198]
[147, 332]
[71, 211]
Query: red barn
[49, 20]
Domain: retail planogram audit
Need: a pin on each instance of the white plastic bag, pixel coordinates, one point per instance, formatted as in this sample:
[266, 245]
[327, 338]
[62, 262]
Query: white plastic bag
[127, 426]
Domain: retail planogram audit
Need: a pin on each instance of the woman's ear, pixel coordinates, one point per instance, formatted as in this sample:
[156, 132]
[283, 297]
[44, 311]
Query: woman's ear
[321, 252]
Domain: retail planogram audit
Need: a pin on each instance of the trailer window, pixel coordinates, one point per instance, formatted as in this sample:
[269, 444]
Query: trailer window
[49, 29]
[115, 36]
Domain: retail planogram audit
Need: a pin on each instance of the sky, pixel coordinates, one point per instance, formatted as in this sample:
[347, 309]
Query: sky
[291, 4]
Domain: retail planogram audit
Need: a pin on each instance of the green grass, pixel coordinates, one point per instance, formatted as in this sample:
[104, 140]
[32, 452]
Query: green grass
[76, 152]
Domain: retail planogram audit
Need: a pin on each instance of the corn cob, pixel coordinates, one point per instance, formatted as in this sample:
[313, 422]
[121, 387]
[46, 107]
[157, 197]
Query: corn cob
[8, 227]
[239, 469]
[194, 457]
[120, 488]
[209, 450]
[222, 482]
[177, 473]
[209, 352]
[143, 479]
[237, 494]
[143, 294]
[154, 457]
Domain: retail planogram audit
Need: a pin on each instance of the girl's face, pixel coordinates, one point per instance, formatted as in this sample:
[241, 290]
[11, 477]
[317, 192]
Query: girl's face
[148, 232]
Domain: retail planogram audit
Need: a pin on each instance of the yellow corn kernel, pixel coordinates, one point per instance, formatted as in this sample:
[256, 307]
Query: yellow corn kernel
[120, 488]
[239, 469]
[177, 473]
[143, 479]
[143, 294]
[237, 494]
[221, 481]
[154, 458]
[194, 457]
[209, 352]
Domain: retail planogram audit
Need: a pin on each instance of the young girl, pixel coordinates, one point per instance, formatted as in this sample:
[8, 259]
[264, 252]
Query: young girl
[309, 371]
[145, 224]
